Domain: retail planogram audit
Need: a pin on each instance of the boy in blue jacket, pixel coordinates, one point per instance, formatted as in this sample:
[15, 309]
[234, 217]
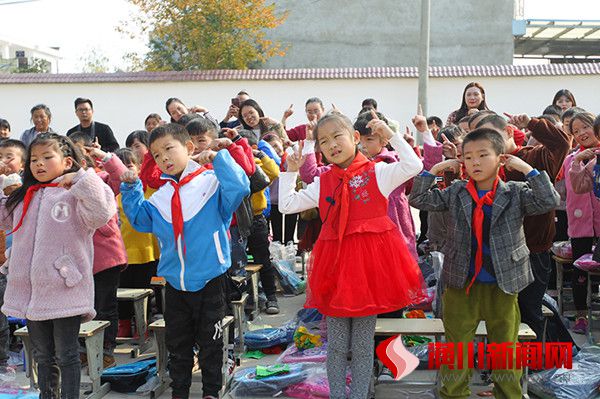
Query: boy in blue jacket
[190, 215]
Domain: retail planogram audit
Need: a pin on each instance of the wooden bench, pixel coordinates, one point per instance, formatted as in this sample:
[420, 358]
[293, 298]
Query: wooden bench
[160, 283]
[435, 328]
[252, 275]
[93, 334]
[139, 297]
[162, 357]
[560, 263]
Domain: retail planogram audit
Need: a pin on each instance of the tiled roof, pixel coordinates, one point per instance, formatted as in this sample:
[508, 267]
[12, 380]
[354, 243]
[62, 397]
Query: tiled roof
[298, 74]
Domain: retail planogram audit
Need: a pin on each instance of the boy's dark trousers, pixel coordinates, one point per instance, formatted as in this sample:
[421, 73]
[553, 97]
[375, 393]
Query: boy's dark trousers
[194, 318]
[530, 299]
[258, 246]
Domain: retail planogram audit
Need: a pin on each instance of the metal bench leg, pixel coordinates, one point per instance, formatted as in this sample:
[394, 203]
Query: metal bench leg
[140, 308]
[225, 368]
[162, 357]
[589, 309]
[94, 346]
[31, 367]
[559, 286]
[256, 310]
[238, 315]
[163, 298]
[525, 380]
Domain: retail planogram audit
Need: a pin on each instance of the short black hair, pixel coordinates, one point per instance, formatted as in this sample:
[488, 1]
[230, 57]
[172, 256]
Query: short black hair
[141, 135]
[126, 156]
[152, 116]
[174, 130]
[495, 120]
[4, 124]
[249, 135]
[479, 114]
[12, 143]
[187, 118]
[452, 133]
[81, 100]
[369, 102]
[437, 120]
[487, 134]
[569, 113]
[81, 137]
[552, 110]
[363, 119]
[198, 126]
[243, 93]
[314, 100]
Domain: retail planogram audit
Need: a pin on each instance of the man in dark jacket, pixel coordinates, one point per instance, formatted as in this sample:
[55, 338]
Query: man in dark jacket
[84, 109]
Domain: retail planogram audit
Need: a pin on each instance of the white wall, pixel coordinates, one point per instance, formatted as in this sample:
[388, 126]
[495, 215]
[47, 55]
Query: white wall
[124, 106]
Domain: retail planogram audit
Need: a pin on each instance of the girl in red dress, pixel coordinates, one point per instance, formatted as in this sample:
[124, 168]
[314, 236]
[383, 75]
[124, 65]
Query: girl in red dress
[360, 265]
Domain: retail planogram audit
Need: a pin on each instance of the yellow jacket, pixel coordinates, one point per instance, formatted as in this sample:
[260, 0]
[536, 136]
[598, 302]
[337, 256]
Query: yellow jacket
[259, 199]
[141, 247]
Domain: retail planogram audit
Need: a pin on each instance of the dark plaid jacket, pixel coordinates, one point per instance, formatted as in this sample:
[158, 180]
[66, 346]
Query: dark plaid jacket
[513, 201]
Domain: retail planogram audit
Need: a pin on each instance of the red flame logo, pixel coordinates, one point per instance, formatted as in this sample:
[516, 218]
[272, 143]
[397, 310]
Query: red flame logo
[395, 357]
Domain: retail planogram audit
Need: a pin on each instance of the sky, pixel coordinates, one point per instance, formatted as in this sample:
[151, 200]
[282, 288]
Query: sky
[79, 27]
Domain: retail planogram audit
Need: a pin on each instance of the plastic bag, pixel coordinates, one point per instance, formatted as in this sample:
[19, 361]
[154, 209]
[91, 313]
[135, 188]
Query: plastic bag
[437, 262]
[316, 385]
[562, 249]
[580, 382]
[245, 382]
[268, 337]
[292, 354]
[586, 263]
[290, 282]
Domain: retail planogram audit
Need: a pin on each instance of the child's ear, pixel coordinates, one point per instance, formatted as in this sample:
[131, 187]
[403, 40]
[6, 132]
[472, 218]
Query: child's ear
[356, 136]
[189, 145]
[68, 162]
[509, 131]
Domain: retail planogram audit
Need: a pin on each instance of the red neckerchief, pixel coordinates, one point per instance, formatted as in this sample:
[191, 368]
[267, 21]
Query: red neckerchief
[356, 167]
[477, 222]
[176, 211]
[27, 200]
[283, 161]
[502, 172]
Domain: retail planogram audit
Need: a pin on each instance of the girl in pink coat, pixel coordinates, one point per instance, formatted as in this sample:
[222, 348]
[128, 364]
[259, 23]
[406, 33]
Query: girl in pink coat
[53, 217]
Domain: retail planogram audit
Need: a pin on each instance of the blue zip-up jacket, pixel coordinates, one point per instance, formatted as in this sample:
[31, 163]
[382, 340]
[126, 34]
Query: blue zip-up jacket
[208, 202]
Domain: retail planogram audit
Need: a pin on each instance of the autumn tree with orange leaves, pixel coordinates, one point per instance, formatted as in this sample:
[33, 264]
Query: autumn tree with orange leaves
[207, 34]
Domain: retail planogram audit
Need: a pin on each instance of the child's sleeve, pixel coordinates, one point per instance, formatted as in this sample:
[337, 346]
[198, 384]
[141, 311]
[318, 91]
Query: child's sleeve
[582, 177]
[426, 196]
[297, 133]
[115, 168]
[150, 173]
[233, 183]
[391, 175]
[433, 153]
[95, 200]
[538, 195]
[269, 167]
[135, 206]
[309, 170]
[241, 152]
[292, 201]
[6, 217]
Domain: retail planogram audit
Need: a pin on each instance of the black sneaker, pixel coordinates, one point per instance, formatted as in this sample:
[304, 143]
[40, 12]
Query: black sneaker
[272, 307]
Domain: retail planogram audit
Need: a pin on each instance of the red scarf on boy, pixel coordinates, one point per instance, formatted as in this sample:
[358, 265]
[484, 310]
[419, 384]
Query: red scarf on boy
[477, 222]
[176, 211]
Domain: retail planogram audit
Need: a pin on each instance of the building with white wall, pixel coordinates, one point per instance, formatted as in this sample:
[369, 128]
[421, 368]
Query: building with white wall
[11, 51]
[123, 100]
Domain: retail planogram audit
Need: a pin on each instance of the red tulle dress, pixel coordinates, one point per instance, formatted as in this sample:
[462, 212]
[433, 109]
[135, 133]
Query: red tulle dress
[360, 265]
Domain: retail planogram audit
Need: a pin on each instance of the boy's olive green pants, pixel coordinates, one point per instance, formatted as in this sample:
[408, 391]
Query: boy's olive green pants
[462, 314]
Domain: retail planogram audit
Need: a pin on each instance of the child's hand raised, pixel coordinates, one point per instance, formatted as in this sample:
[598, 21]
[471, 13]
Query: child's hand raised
[231, 134]
[67, 180]
[409, 138]
[521, 121]
[585, 155]
[379, 127]
[95, 152]
[296, 160]
[310, 128]
[219, 144]
[129, 176]
[420, 121]
[512, 162]
[4, 169]
[206, 156]
[453, 165]
[449, 150]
